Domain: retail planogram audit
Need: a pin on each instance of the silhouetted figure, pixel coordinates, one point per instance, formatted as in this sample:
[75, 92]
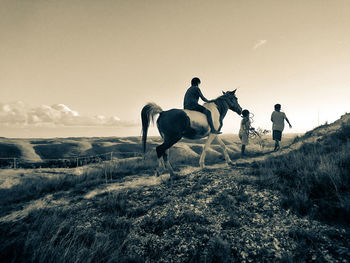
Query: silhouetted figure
[244, 130]
[277, 118]
[191, 102]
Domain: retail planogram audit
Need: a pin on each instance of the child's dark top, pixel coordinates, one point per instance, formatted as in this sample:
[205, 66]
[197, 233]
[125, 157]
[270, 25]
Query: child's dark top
[192, 96]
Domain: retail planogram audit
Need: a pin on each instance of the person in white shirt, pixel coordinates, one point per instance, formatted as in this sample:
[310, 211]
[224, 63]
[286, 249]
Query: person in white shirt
[277, 118]
[244, 130]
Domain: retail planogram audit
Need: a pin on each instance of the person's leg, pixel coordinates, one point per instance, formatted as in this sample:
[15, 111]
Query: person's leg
[274, 138]
[210, 121]
[244, 140]
[207, 113]
[243, 149]
[277, 138]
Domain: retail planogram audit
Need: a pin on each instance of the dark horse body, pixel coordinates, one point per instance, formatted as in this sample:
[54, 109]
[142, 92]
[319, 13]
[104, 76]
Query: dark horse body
[175, 124]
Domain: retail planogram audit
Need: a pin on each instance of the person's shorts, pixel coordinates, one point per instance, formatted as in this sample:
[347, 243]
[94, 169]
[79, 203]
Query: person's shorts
[276, 135]
[244, 138]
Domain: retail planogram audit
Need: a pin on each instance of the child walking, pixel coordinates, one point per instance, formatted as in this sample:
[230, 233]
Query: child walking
[244, 130]
[277, 118]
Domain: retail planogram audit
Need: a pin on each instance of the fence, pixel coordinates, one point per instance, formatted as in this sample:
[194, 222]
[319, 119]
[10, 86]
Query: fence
[69, 162]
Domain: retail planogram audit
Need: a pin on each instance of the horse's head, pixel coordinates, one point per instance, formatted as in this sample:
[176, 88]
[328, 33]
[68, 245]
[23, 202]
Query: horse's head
[232, 101]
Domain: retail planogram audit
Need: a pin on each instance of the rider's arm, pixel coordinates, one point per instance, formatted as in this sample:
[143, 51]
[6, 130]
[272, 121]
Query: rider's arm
[201, 96]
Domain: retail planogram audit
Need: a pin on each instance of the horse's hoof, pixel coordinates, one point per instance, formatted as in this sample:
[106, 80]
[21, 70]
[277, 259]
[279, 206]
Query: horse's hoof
[175, 176]
[232, 164]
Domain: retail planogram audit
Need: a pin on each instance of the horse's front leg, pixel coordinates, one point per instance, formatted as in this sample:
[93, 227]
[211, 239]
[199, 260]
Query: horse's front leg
[224, 149]
[205, 148]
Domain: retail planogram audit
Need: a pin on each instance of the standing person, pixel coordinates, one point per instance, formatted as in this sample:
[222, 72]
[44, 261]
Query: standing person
[277, 118]
[244, 130]
[191, 102]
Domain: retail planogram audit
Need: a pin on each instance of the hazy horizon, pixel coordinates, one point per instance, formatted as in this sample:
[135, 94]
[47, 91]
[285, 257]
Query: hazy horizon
[88, 67]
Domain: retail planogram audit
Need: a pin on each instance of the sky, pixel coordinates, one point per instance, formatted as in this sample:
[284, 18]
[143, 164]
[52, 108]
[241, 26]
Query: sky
[86, 68]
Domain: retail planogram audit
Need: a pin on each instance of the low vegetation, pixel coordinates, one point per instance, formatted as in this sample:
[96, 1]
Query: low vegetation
[314, 180]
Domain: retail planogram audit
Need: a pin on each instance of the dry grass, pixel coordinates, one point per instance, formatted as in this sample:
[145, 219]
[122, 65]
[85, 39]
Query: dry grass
[314, 179]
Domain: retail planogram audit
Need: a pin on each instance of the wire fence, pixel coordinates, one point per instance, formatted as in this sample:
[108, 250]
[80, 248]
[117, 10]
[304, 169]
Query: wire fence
[68, 162]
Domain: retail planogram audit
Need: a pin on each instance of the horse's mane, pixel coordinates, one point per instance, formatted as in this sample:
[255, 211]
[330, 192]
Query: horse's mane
[222, 103]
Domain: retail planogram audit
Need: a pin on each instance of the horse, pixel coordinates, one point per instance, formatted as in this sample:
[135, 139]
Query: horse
[175, 124]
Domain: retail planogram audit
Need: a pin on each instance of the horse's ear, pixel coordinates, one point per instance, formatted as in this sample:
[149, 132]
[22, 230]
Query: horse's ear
[223, 92]
[234, 91]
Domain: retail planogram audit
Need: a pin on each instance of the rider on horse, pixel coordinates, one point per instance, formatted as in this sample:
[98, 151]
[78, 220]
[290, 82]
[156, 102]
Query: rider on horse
[191, 102]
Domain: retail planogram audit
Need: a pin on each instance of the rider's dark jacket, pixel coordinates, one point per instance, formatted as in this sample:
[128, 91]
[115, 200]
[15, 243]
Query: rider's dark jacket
[192, 96]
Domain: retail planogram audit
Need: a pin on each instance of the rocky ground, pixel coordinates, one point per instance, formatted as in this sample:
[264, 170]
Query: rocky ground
[216, 215]
[221, 214]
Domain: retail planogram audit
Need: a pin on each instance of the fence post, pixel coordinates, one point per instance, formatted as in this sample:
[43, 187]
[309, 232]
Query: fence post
[14, 163]
[111, 156]
[77, 162]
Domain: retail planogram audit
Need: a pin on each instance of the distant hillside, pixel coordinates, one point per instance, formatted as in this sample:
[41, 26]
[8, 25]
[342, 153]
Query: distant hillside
[37, 150]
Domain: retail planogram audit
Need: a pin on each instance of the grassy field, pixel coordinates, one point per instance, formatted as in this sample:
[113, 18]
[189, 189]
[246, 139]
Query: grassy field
[288, 206]
[315, 180]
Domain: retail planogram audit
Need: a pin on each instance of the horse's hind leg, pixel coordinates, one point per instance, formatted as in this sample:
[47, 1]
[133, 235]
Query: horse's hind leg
[167, 162]
[161, 166]
[162, 153]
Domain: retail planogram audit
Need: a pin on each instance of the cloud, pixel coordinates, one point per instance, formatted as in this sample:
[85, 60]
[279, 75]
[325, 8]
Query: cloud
[20, 115]
[259, 43]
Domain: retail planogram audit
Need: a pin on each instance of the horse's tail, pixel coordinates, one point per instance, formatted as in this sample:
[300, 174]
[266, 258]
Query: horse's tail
[147, 114]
